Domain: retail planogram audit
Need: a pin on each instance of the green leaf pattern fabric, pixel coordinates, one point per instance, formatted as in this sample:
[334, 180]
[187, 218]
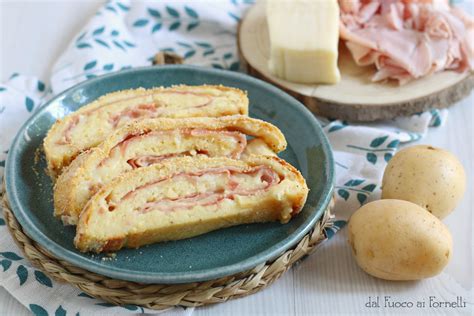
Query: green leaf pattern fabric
[125, 34]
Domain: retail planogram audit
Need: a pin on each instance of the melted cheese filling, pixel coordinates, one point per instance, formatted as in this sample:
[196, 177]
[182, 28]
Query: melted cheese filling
[188, 198]
[137, 151]
[189, 190]
[162, 104]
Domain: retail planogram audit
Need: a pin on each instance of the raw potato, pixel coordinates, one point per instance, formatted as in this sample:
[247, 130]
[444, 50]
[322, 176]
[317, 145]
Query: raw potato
[398, 240]
[431, 177]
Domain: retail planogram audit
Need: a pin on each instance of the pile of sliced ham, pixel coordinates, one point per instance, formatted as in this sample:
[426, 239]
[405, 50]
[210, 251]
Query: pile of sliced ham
[407, 39]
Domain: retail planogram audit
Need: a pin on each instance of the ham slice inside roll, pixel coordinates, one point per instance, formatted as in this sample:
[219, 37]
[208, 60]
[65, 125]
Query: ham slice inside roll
[184, 197]
[135, 149]
[91, 124]
[203, 188]
[154, 141]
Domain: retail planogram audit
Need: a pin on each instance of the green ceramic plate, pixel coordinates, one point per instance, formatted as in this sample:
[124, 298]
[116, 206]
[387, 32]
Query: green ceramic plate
[205, 257]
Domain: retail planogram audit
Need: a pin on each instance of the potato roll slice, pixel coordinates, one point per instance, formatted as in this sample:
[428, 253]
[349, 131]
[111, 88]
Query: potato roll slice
[150, 141]
[185, 197]
[88, 126]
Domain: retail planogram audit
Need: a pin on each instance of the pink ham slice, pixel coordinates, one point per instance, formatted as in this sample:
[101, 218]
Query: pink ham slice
[141, 110]
[134, 112]
[267, 176]
[406, 39]
[147, 160]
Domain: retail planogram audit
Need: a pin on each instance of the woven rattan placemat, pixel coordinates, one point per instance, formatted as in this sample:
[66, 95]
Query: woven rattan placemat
[165, 296]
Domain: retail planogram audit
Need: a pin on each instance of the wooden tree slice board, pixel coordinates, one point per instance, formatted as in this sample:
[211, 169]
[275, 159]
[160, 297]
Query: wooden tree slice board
[355, 97]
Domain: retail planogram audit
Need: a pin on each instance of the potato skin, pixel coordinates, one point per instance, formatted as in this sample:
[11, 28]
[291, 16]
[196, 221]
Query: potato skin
[398, 240]
[431, 177]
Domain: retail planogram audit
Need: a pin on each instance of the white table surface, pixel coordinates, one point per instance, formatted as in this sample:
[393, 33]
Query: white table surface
[34, 33]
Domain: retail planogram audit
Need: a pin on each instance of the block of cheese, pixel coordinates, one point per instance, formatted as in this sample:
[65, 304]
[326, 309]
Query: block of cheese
[304, 37]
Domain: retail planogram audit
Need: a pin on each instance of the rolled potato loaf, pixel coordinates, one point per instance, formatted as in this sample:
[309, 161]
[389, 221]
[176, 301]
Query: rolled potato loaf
[185, 197]
[150, 141]
[88, 126]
